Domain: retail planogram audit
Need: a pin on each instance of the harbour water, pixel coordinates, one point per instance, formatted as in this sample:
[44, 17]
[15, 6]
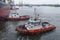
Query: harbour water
[51, 14]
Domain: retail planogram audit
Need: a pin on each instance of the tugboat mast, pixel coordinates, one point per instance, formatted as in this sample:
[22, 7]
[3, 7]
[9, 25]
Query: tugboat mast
[35, 14]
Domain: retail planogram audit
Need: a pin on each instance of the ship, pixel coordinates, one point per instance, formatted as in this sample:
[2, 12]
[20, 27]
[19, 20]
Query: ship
[4, 10]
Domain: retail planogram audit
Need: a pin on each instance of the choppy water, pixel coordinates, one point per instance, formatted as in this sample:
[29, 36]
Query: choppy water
[52, 15]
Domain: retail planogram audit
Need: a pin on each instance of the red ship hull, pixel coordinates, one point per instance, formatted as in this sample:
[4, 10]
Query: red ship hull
[4, 9]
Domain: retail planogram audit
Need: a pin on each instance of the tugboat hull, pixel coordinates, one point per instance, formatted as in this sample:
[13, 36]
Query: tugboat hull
[22, 18]
[36, 31]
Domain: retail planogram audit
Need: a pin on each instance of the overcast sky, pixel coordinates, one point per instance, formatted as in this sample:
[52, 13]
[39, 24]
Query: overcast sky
[38, 1]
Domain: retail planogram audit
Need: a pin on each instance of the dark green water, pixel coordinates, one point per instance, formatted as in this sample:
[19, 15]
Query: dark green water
[52, 15]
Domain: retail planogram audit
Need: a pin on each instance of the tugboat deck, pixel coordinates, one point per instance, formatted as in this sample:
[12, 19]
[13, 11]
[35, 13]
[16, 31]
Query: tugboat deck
[15, 15]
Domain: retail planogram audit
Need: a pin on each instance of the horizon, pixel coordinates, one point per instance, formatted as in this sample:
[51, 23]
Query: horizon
[37, 2]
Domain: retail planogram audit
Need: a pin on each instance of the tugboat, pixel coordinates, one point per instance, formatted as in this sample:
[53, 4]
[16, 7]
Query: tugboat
[16, 16]
[35, 26]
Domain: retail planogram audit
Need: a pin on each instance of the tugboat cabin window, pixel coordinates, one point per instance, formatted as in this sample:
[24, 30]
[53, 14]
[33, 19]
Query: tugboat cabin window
[34, 23]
